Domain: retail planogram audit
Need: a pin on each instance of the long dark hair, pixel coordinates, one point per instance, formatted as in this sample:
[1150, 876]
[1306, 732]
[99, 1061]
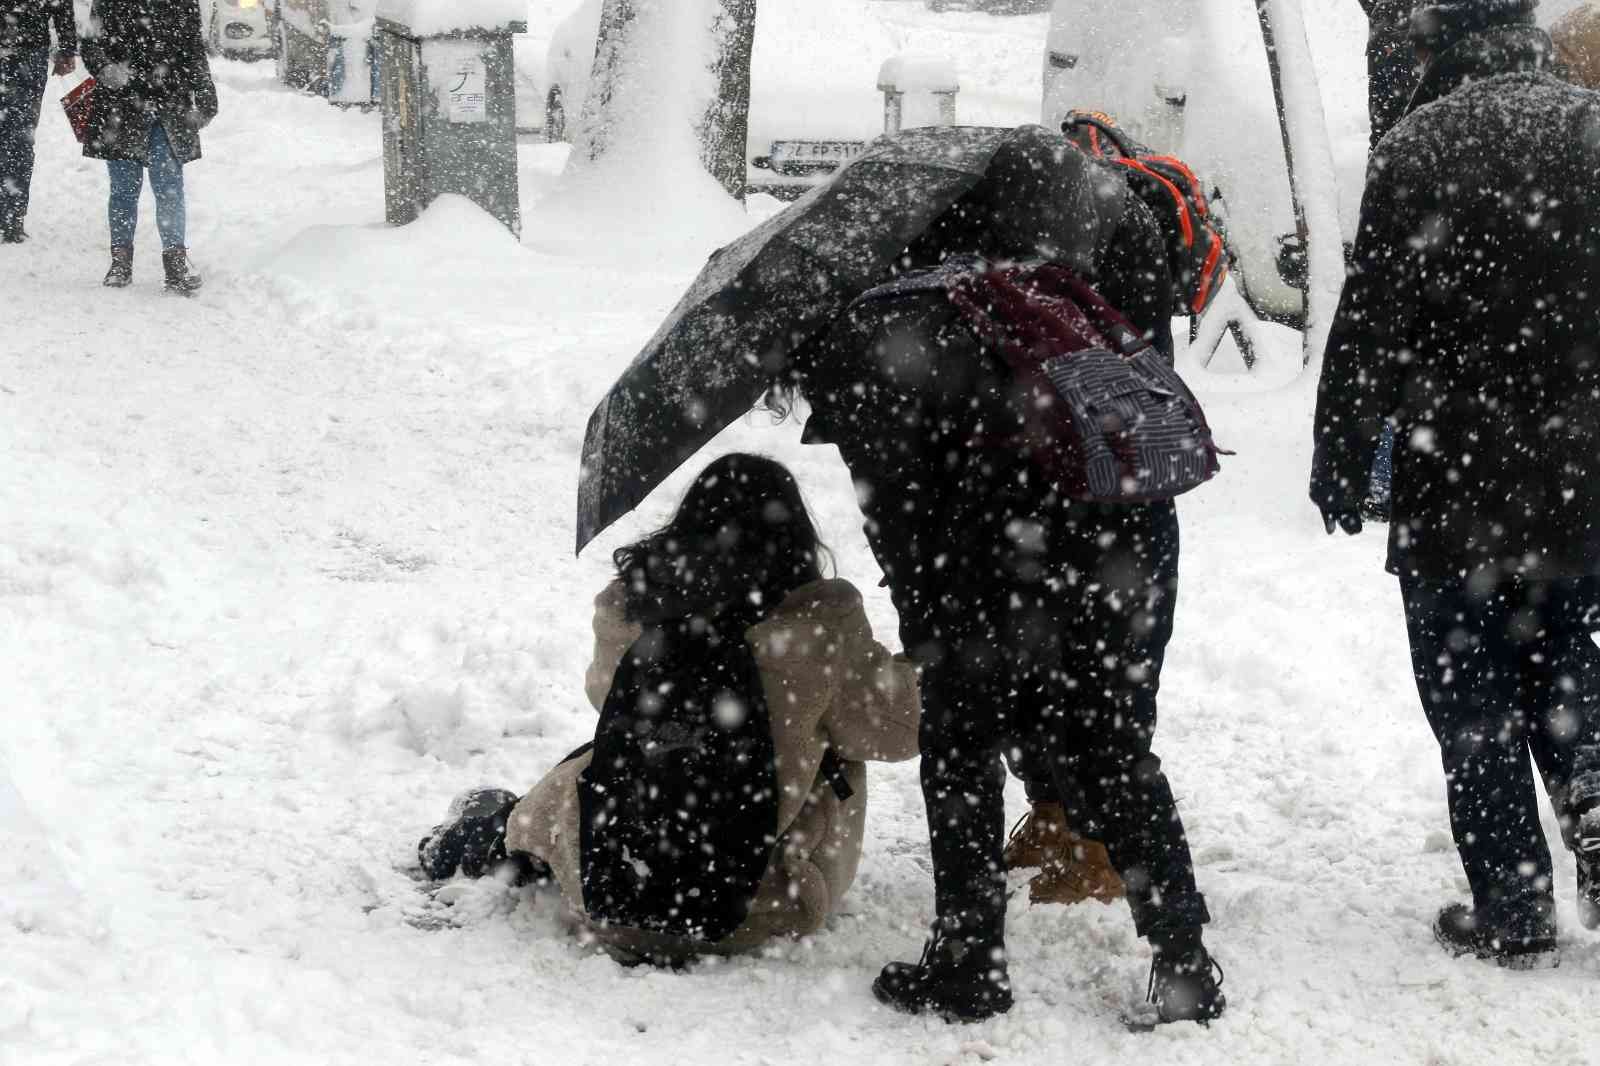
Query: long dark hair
[741, 541]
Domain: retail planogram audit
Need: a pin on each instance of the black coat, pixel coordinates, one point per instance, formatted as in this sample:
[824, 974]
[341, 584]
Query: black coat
[149, 62]
[940, 513]
[25, 25]
[1471, 320]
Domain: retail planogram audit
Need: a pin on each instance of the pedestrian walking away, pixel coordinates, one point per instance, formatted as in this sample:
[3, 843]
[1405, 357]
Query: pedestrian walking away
[1468, 326]
[153, 96]
[25, 31]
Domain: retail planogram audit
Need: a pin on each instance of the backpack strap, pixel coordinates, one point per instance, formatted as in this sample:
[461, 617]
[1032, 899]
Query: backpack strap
[832, 771]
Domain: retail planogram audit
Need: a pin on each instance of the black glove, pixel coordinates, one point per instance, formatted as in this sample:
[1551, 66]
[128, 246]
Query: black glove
[1347, 520]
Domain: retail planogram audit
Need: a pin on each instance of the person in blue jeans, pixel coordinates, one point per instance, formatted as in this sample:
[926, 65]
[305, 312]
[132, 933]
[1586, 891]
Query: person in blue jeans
[25, 64]
[153, 95]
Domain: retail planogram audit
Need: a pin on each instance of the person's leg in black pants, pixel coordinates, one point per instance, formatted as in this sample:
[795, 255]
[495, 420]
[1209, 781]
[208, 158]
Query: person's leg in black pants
[1469, 650]
[1562, 689]
[1099, 712]
[965, 718]
[23, 74]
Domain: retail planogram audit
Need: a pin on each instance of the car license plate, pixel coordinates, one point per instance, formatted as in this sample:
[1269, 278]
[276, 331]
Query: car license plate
[813, 153]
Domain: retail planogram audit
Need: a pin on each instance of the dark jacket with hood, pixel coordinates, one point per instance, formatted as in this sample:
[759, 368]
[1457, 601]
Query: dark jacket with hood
[1471, 321]
[25, 26]
[148, 58]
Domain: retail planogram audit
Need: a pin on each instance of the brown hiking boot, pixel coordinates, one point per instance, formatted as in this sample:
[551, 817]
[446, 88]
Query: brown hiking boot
[1085, 873]
[1039, 838]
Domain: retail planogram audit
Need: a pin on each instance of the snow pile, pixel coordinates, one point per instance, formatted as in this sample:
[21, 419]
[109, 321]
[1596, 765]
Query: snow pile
[454, 255]
[36, 893]
[429, 17]
[635, 184]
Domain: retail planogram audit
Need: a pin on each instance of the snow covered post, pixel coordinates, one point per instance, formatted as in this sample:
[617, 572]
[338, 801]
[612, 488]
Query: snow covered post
[662, 66]
[918, 91]
[1313, 180]
[449, 104]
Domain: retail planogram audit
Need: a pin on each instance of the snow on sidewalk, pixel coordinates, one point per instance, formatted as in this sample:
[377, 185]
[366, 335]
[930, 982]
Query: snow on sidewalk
[285, 566]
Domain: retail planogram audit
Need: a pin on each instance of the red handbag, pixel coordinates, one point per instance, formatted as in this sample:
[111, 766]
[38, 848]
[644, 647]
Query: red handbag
[78, 104]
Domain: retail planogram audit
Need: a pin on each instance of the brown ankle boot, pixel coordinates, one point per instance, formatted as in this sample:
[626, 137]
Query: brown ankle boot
[1039, 839]
[1085, 873]
[175, 261]
[121, 273]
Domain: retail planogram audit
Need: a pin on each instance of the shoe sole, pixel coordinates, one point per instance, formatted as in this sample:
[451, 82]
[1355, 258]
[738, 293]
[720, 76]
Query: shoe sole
[1539, 959]
[944, 1013]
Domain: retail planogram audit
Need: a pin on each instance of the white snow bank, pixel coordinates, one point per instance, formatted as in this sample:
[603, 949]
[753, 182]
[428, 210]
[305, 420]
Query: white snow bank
[427, 17]
[635, 183]
[918, 74]
[36, 893]
[443, 259]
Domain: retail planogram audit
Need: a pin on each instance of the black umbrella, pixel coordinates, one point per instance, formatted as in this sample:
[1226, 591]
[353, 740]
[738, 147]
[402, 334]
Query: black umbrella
[1009, 192]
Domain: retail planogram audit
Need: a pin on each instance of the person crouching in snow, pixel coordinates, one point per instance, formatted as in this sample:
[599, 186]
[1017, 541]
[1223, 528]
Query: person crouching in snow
[736, 683]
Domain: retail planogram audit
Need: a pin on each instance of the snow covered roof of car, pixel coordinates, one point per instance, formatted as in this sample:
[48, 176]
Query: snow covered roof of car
[431, 17]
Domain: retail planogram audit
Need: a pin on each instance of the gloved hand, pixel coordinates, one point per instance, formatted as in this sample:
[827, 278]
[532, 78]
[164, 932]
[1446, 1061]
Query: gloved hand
[1347, 520]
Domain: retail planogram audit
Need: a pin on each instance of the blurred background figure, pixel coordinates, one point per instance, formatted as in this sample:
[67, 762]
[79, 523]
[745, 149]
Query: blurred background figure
[25, 29]
[1577, 39]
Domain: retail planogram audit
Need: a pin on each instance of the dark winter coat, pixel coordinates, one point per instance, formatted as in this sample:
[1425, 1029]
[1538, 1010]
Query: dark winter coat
[1471, 320]
[941, 530]
[25, 26]
[149, 61]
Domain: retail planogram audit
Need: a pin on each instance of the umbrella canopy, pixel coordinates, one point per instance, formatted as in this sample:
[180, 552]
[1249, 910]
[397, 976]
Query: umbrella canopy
[1019, 193]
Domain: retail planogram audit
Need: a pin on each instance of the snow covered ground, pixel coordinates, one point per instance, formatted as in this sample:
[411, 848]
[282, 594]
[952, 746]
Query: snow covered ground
[284, 567]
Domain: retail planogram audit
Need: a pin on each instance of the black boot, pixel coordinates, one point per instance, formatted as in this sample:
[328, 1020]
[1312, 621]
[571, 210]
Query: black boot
[1529, 944]
[120, 275]
[960, 978]
[12, 233]
[474, 838]
[175, 261]
[1185, 982]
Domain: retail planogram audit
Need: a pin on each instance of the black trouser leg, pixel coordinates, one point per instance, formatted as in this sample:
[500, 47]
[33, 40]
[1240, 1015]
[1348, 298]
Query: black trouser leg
[1562, 689]
[1469, 651]
[964, 720]
[1097, 706]
[22, 80]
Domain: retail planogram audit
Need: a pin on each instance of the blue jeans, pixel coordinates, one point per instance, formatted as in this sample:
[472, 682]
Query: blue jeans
[22, 78]
[166, 181]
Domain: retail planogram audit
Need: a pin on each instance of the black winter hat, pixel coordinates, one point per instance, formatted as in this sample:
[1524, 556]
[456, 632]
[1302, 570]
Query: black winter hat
[1438, 24]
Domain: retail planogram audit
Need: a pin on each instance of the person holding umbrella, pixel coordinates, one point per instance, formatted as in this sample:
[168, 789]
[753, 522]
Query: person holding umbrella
[1041, 621]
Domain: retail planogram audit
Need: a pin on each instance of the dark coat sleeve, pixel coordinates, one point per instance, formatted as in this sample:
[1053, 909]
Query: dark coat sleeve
[203, 88]
[1368, 346]
[65, 23]
[93, 43]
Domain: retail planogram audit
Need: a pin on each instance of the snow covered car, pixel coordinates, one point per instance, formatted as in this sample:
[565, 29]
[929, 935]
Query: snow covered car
[814, 102]
[240, 28]
[992, 7]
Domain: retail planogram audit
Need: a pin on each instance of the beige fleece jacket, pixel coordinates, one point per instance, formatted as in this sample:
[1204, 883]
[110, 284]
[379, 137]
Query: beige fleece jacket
[827, 682]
